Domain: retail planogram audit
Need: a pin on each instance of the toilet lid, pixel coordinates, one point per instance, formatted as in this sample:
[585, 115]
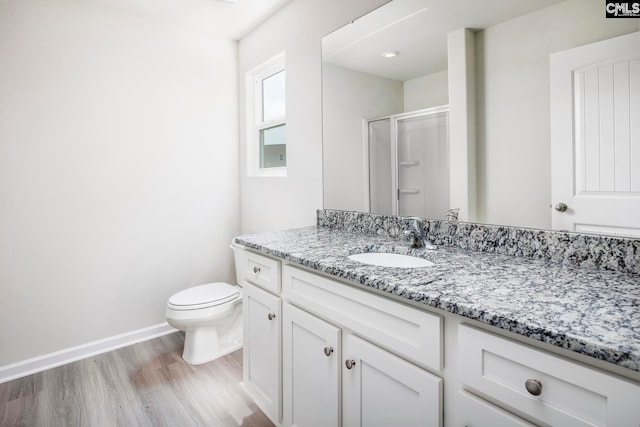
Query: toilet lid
[203, 296]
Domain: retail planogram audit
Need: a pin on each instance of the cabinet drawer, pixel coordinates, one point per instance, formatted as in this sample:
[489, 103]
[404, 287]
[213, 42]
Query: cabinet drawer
[475, 412]
[409, 332]
[570, 394]
[258, 269]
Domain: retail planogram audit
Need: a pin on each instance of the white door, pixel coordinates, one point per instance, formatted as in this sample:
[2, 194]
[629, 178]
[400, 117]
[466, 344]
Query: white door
[311, 367]
[595, 137]
[379, 389]
[261, 367]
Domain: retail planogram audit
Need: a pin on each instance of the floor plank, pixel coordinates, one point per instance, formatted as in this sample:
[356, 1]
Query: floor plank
[147, 384]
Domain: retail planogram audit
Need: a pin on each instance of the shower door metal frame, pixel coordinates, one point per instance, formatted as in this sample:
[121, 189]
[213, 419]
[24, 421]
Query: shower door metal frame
[393, 154]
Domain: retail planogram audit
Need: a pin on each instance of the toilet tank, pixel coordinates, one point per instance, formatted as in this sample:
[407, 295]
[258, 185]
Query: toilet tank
[237, 263]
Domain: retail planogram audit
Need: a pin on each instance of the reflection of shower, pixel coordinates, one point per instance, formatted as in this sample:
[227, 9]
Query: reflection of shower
[408, 164]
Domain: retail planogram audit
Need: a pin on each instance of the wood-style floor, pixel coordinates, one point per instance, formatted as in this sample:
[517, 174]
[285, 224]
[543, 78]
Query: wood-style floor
[146, 384]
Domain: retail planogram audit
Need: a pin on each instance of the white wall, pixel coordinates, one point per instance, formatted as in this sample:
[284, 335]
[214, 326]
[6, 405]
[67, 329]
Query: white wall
[425, 92]
[277, 203]
[513, 105]
[349, 97]
[118, 166]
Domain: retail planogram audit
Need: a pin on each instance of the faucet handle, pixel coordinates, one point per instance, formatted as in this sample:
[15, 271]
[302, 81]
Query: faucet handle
[452, 214]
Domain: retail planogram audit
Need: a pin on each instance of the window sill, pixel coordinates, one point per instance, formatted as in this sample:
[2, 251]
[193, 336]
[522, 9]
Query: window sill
[269, 173]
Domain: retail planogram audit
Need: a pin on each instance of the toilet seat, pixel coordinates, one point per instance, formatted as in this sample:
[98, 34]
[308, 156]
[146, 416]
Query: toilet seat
[203, 296]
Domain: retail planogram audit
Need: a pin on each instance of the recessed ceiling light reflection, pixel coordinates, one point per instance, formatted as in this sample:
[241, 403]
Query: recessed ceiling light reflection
[390, 53]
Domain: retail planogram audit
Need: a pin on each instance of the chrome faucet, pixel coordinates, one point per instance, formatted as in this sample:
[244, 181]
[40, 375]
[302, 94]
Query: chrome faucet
[415, 233]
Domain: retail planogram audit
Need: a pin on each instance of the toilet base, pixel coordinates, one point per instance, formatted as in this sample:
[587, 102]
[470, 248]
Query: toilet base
[202, 345]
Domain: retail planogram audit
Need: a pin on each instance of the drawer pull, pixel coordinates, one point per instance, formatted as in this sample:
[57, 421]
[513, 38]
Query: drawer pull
[271, 316]
[534, 387]
[328, 351]
[350, 363]
[256, 270]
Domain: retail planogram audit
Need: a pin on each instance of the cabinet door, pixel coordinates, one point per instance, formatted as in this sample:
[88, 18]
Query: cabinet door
[311, 365]
[381, 389]
[262, 338]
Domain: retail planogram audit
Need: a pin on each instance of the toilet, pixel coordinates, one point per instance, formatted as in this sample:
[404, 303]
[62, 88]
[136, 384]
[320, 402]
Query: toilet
[211, 316]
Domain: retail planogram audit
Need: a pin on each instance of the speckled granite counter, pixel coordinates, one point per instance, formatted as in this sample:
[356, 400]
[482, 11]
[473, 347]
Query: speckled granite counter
[589, 311]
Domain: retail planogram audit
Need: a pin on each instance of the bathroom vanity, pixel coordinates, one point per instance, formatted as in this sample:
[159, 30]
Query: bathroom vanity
[476, 339]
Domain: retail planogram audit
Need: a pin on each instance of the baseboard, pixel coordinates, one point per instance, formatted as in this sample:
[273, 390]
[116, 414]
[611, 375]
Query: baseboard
[72, 354]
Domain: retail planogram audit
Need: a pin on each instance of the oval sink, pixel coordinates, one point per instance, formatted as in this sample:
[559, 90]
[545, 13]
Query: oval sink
[390, 260]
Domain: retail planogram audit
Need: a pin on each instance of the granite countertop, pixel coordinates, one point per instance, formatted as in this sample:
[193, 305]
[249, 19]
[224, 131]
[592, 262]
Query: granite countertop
[589, 311]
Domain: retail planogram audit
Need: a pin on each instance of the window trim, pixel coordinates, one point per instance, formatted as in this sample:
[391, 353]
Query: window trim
[253, 84]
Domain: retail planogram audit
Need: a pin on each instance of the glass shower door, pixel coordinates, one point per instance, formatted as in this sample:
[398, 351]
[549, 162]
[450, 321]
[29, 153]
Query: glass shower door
[423, 165]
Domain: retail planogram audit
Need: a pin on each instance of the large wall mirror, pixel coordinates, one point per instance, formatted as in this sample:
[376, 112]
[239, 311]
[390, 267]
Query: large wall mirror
[552, 111]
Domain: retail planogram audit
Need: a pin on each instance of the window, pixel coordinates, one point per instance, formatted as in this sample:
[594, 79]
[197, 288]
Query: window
[266, 119]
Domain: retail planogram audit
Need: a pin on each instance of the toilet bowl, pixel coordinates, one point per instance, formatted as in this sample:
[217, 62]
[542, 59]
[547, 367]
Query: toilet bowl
[211, 316]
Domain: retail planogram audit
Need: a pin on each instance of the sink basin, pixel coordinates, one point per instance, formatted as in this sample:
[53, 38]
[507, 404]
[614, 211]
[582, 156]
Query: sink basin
[390, 260]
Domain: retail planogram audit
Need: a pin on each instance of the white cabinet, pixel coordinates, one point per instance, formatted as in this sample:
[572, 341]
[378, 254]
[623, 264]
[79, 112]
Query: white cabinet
[378, 387]
[338, 355]
[381, 389]
[259, 277]
[262, 350]
[410, 332]
[311, 365]
[543, 387]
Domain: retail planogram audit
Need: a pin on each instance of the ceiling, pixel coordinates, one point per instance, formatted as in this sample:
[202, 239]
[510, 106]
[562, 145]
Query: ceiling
[418, 30]
[228, 19]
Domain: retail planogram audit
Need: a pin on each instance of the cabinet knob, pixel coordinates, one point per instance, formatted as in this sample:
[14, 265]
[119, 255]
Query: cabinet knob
[328, 351]
[534, 387]
[350, 363]
[271, 316]
[256, 270]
